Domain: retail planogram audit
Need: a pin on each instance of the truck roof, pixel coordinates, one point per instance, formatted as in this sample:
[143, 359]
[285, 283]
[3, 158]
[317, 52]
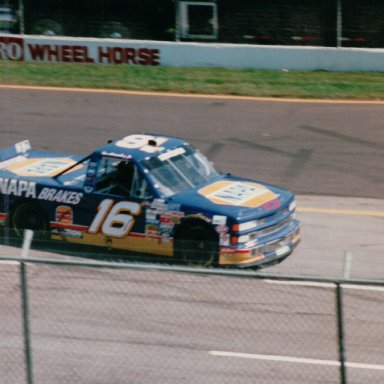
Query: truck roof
[140, 146]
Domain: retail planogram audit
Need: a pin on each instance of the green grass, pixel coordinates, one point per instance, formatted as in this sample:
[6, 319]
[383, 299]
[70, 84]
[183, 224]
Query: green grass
[296, 84]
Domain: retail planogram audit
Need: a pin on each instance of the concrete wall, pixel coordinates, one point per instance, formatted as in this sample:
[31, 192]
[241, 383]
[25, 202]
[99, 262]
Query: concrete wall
[140, 52]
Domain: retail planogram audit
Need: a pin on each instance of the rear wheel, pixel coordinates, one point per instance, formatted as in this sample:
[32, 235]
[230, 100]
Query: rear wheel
[29, 216]
[197, 246]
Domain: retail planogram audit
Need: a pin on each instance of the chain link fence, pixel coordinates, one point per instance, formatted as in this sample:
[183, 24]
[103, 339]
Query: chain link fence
[96, 322]
[351, 23]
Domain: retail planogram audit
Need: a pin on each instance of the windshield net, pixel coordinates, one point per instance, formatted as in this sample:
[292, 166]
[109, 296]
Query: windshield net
[179, 169]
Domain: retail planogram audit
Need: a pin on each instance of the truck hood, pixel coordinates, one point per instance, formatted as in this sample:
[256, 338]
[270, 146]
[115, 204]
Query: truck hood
[238, 198]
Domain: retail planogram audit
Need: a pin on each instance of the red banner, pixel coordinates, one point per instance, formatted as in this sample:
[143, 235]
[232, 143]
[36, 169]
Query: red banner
[11, 48]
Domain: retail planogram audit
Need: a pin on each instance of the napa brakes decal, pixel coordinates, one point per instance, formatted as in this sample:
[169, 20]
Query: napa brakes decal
[60, 196]
[238, 193]
[19, 188]
[27, 189]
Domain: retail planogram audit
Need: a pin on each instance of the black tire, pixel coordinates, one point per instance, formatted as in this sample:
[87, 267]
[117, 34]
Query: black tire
[197, 245]
[29, 216]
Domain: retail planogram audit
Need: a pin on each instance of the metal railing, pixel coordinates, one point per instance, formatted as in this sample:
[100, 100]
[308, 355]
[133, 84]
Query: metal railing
[164, 273]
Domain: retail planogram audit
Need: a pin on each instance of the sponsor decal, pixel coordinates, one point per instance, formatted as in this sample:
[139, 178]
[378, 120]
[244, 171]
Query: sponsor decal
[158, 209]
[273, 204]
[19, 49]
[142, 143]
[127, 55]
[223, 230]
[42, 167]
[68, 233]
[238, 193]
[219, 220]
[151, 216]
[15, 160]
[118, 155]
[78, 53]
[17, 187]
[73, 233]
[11, 48]
[60, 53]
[151, 230]
[161, 219]
[88, 189]
[60, 196]
[172, 217]
[168, 221]
[168, 155]
[64, 214]
[165, 232]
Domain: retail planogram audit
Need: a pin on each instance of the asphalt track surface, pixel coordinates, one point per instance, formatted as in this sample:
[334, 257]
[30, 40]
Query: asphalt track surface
[109, 326]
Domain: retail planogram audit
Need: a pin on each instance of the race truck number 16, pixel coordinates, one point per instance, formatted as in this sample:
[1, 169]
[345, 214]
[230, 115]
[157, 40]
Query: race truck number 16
[115, 220]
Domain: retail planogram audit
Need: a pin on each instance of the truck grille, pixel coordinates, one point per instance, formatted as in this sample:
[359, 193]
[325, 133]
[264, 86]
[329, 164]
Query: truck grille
[269, 230]
[274, 228]
[274, 245]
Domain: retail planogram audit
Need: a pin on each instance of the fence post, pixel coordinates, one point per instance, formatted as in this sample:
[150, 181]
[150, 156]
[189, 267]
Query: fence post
[21, 17]
[28, 234]
[339, 24]
[340, 332]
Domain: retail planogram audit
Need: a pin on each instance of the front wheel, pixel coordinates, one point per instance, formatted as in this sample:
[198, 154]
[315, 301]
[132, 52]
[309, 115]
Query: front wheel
[197, 246]
[28, 216]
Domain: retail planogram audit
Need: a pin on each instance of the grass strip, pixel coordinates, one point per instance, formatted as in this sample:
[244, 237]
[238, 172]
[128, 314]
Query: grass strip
[247, 82]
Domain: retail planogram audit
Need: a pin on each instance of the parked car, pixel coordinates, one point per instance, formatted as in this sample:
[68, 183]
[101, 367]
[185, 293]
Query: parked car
[147, 193]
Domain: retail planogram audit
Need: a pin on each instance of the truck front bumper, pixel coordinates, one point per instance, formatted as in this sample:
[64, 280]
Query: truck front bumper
[261, 255]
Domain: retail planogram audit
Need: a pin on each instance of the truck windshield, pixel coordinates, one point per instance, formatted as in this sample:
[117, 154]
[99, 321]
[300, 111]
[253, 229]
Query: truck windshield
[179, 169]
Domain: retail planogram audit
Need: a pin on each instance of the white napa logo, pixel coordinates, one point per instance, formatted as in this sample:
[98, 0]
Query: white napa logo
[237, 193]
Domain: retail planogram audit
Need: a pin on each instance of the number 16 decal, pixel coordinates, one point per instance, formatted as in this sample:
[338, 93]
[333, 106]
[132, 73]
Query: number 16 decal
[115, 220]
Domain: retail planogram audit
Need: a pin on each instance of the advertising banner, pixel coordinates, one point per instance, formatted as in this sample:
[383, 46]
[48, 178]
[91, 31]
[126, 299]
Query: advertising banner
[66, 50]
[56, 49]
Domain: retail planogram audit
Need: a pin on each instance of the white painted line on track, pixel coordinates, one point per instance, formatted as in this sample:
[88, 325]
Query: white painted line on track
[301, 283]
[348, 212]
[326, 285]
[298, 360]
[363, 287]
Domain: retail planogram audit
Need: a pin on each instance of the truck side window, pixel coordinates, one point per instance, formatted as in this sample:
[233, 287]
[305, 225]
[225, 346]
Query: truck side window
[104, 175]
[140, 187]
[121, 178]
